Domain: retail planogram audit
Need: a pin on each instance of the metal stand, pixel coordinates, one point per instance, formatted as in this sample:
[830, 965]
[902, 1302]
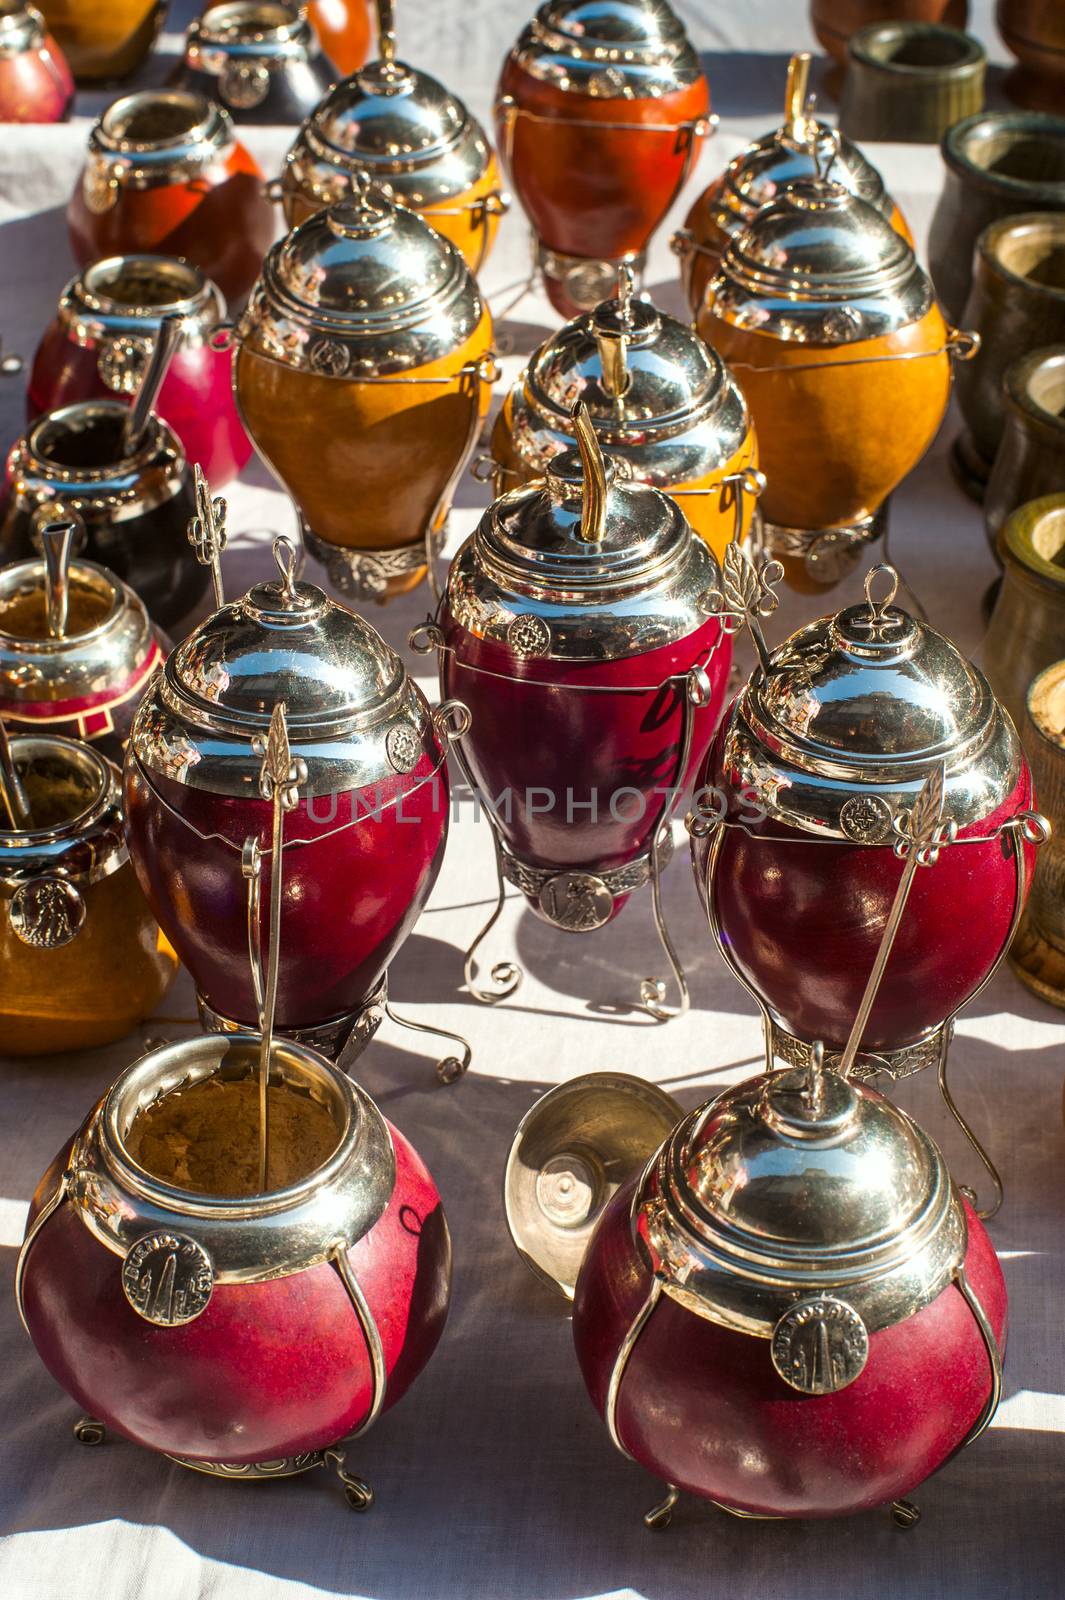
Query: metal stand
[904, 1513]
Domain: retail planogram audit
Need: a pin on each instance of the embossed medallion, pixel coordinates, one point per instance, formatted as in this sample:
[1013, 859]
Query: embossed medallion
[121, 363]
[402, 747]
[99, 187]
[46, 912]
[167, 1278]
[820, 1345]
[576, 901]
[865, 818]
[244, 85]
[329, 358]
[529, 636]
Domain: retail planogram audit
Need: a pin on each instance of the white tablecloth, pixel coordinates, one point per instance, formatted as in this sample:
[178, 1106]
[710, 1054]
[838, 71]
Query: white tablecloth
[494, 1476]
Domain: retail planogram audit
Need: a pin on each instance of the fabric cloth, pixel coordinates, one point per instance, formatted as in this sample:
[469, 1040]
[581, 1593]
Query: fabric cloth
[494, 1477]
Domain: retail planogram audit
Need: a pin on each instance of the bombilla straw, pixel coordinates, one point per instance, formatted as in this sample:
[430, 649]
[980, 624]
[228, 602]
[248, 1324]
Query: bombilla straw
[12, 792]
[920, 838]
[386, 31]
[207, 532]
[166, 343]
[795, 103]
[57, 542]
[613, 343]
[279, 781]
[593, 493]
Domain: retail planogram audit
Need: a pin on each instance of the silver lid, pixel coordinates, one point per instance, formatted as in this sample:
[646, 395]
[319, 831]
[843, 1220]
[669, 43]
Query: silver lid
[113, 642]
[362, 288]
[820, 266]
[245, 1240]
[632, 49]
[87, 845]
[398, 127]
[52, 463]
[583, 565]
[795, 1199]
[756, 176]
[838, 734]
[661, 400]
[346, 694]
[116, 306]
[151, 137]
[22, 28]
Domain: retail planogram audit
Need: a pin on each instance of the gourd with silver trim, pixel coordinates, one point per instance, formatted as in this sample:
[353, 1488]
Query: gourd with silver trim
[663, 404]
[825, 752]
[35, 81]
[833, 333]
[82, 961]
[754, 178]
[365, 359]
[104, 40]
[261, 59]
[101, 338]
[246, 1336]
[365, 843]
[792, 1312]
[402, 130]
[132, 509]
[165, 174]
[76, 646]
[601, 110]
[577, 625]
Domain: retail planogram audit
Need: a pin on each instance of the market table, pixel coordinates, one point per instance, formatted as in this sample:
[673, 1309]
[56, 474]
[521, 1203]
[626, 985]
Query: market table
[494, 1477]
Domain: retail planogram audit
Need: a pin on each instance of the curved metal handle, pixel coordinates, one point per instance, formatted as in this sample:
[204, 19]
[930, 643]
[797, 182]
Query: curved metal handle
[963, 344]
[994, 1356]
[451, 720]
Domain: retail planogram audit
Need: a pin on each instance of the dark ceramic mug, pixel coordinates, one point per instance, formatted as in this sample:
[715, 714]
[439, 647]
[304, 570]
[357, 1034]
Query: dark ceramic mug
[1034, 30]
[1016, 304]
[999, 163]
[910, 82]
[1031, 458]
[835, 20]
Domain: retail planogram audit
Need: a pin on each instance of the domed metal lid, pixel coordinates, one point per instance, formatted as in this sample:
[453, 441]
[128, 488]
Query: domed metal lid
[805, 1208]
[354, 714]
[362, 287]
[393, 122]
[584, 565]
[820, 266]
[801, 147]
[630, 48]
[837, 733]
[660, 399]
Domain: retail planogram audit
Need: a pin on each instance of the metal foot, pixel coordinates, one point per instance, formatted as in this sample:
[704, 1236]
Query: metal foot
[451, 1067]
[88, 1431]
[506, 975]
[357, 1492]
[661, 1515]
[653, 990]
[987, 1212]
[904, 1514]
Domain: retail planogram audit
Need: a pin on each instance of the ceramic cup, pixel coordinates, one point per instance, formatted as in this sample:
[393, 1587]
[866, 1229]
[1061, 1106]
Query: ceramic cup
[1034, 30]
[999, 164]
[910, 81]
[1031, 457]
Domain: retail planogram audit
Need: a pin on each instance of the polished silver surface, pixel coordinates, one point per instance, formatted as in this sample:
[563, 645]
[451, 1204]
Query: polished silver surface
[631, 49]
[44, 870]
[395, 125]
[22, 28]
[796, 1186]
[248, 1240]
[242, 44]
[530, 577]
[83, 661]
[662, 402]
[820, 266]
[345, 691]
[126, 487]
[151, 138]
[115, 307]
[361, 290]
[836, 735]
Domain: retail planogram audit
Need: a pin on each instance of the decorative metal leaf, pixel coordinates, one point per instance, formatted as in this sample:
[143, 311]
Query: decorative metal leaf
[927, 813]
[207, 530]
[277, 757]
